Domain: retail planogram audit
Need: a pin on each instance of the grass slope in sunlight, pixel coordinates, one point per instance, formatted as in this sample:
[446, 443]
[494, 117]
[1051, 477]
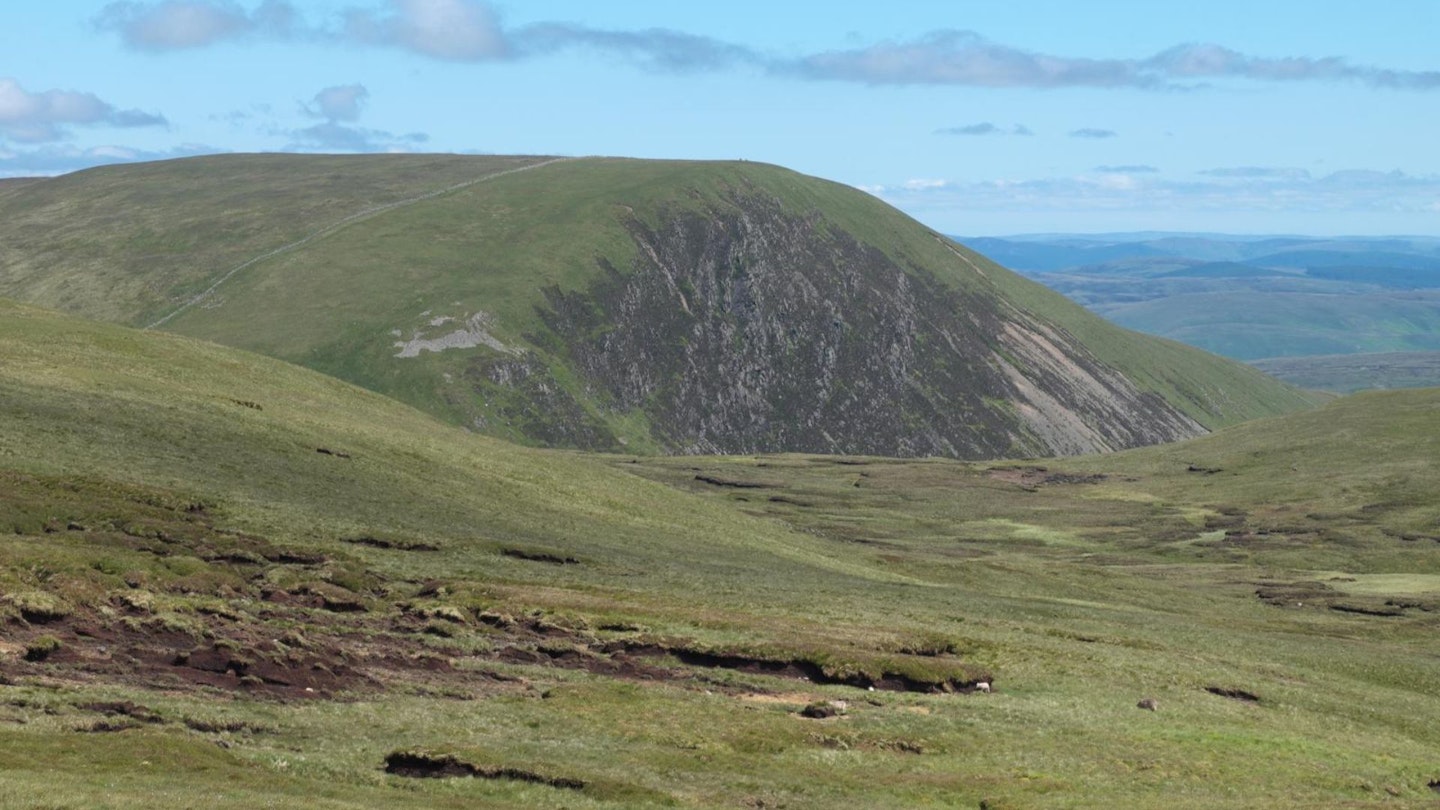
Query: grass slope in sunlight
[562, 623]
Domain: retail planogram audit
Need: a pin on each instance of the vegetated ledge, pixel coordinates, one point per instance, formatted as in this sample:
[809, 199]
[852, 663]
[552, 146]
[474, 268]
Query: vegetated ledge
[468, 763]
[1243, 695]
[889, 674]
[390, 544]
[539, 555]
[426, 765]
[731, 483]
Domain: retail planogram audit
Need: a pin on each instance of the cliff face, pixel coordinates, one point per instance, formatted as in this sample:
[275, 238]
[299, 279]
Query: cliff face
[747, 328]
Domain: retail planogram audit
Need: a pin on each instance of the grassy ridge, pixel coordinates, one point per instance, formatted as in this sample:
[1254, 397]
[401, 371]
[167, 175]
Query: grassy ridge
[128, 244]
[1082, 587]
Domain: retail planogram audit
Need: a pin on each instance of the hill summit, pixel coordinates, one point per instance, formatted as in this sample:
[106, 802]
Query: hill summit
[657, 306]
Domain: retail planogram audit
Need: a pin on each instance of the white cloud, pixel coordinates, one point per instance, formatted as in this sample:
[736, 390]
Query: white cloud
[29, 117]
[471, 31]
[339, 106]
[985, 128]
[964, 58]
[951, 57]
[340, 103]
[58, 159]
[454, 30]
[1114, 182]
[655, 49]
[1258, 172]
[332, 136]
[1256, 189]
[179, 24]
[1211, 61]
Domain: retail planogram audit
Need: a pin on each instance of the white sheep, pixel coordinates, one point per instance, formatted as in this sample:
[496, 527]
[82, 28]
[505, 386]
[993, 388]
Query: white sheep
[982, 686]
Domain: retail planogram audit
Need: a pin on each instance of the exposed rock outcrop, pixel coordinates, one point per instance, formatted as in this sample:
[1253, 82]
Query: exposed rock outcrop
[749, 328]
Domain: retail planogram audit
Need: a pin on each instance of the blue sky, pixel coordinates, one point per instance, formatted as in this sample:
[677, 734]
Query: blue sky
[979, 118]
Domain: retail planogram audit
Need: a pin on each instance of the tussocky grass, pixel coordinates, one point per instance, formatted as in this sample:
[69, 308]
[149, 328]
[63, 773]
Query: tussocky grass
[1082, 587]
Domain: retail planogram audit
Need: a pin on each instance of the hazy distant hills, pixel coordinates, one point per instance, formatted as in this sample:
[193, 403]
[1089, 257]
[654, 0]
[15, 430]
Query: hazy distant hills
[1094, 253]
[605, 304]
[1348, 373]
[1255, 297]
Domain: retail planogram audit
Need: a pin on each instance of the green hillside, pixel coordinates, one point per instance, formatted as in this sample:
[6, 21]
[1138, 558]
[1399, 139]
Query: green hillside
[130, 243]
[231, 580]
[614, 304]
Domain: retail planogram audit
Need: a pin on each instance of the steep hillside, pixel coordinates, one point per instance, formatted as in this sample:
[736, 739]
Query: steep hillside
[306, 458]
[606, 304]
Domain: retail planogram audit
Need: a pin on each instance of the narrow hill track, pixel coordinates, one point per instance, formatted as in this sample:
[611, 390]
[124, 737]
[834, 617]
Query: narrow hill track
[340, 225]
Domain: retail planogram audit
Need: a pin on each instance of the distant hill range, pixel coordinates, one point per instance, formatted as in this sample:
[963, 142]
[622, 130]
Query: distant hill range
[674, 307]
[1252, 297]
[1386, 260]
[1348, 373]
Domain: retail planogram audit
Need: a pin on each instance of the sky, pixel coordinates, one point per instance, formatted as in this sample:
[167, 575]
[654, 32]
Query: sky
[978, 117]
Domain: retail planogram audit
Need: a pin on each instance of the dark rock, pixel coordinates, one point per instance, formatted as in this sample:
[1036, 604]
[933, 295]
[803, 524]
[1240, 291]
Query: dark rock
[1233, 694]
[746, 326]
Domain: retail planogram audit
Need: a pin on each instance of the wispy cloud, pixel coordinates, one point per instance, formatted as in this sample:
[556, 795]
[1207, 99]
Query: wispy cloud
[1093, 134]
[964, 58]
[179, 24]
[58, 159]
[985, 128]
[453, 30]
[449, 30]
[340, 107]
[340, 103]
[1281, 190]
[1215, 61]
[969, 59]
[39, 117]
[331, 136]
[1135, 169]
[1258, 172]
[655, 49]
[472, 31]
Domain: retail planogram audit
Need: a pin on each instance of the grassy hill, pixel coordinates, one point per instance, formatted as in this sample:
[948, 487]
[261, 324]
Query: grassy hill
[615, 304]
[231, 578]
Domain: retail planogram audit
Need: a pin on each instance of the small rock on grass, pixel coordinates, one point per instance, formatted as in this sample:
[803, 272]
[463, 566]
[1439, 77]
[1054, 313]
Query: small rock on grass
[822, 709]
